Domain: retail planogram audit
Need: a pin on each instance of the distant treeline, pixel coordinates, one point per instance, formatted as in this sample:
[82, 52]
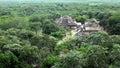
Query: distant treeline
[66, 1]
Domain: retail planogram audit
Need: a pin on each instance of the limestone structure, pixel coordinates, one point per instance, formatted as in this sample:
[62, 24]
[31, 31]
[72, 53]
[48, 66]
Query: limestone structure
[90, 25]
[67, 22]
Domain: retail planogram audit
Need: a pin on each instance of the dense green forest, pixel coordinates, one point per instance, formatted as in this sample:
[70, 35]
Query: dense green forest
[30, 37]
[65, 1]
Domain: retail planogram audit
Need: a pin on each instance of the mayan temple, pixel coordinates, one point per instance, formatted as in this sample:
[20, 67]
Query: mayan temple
[90, 25]
[67, 22]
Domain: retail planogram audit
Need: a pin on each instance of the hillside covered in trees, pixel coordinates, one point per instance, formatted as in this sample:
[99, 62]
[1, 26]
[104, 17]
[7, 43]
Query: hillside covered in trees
[31, 38]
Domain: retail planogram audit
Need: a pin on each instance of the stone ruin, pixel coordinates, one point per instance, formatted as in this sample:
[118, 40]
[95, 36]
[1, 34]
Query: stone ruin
[90, 25]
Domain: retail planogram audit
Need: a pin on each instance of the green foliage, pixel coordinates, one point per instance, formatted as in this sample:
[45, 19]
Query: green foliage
[23, 64]
[30, 38]
[97, 38]
[69, 43]
[3, 41]
[50, 61]
[8, 59]
[115, 39]
[50, 27]
[40, 41]
[111, 23]
[58, 35]
[84, 46]
[21, 33]
[97, 55]
[35, 26]
[35, 19]
[115, 54]
[13, 22]
[13, 48]
[30, 54]
[72, 59]
[82, 19]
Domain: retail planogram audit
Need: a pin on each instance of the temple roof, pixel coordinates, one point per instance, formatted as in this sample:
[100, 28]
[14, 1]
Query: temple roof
[66, 21]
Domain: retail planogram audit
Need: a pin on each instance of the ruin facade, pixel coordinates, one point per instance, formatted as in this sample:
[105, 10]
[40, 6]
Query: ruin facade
[90, 25]
[67, 22]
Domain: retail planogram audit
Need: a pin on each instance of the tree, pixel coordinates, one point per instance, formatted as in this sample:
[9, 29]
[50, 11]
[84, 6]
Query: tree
[115, 55]
[97, 38]
[96, 57]
[35, 26]
[113, 24]
[73, 59]
[3, 41]
[30, 54]
[48, 28]
[115, 39]
[20, 33]
[50, 60]
[58, 35]
[40, 42]
[14, 22]
[14, 48]
[35, 19]
[115, 30]
[82, 19]
[69, 43]
[8, 59]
